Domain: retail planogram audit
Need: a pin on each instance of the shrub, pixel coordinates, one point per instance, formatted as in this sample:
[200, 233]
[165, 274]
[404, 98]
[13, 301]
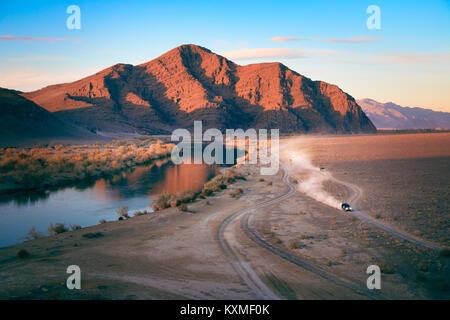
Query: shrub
[123, 212]
[75, 227]
[183, 207]
[445, 252]
[102, 221]
[386, 268]
[57, 228]
[236, 192]
[22, 254]
[294, 245]
[93, 235]
[140, 213]
[162, 201]
[185, 196]
[33, 234]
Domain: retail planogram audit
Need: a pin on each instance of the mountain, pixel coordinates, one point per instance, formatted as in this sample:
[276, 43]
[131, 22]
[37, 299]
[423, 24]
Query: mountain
[191, 83]
[392, 116]
[23, 121]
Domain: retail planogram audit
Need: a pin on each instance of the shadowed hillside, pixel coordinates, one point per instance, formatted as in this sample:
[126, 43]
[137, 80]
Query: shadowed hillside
[22, 122]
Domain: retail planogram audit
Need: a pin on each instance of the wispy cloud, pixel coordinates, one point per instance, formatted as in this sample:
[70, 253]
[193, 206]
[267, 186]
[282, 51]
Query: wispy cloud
[286, 39]
[40, 58]
[277, 53]
[413, 57]
[26, 38]
[349, 40]
[332, 40]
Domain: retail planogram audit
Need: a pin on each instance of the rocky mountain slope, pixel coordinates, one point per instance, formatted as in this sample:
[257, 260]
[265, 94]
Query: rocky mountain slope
[23, 121]
[191, 83]
[392, 116]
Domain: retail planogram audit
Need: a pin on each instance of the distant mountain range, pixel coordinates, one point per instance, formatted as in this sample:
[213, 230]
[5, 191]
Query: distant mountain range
[392, 116]
[23, 121]
[191, 83]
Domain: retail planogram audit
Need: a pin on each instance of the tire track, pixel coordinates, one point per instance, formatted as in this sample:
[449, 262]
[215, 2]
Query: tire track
[243, 268]
[355, 197]
[298, 261]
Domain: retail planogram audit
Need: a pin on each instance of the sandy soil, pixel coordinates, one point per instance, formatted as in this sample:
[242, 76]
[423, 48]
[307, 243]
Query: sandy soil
[289, 246]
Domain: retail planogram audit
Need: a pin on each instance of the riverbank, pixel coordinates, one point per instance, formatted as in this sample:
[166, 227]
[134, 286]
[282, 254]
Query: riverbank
[35, 168]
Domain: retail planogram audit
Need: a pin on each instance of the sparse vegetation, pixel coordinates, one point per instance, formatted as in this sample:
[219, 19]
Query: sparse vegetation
[122, 212]
[166, 200]
[92, 235]
[75, 227]
[183, 207]
[445, 252]
[294, 244]
[33, 234]
[140, 213]
[22, 254]
[236, 192]
[57, 228]
[58, 165]
[220, 182]
[216, 184]
[102, 221]
[386, 268]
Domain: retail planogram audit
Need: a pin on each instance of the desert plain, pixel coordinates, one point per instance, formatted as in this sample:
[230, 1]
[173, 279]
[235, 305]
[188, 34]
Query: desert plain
[270, 237]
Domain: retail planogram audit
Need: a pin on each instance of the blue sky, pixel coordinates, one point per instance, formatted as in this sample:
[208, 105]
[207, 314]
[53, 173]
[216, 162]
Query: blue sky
[407, 61]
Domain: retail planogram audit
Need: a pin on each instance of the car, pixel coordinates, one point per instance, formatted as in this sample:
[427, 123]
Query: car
[346, 207]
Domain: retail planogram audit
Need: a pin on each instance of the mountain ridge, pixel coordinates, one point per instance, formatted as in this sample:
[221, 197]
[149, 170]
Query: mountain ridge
[191, 83]
[393, 116]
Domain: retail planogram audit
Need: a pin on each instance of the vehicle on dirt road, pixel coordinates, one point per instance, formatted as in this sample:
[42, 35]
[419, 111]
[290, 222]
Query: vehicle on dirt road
[346, 207]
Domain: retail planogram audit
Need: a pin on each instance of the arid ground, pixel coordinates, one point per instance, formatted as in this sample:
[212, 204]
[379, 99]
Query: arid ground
[282, 237]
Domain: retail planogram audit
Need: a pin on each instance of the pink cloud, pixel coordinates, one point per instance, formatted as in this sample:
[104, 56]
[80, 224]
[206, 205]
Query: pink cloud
[285, 39]
[277, 53]
[333, 40]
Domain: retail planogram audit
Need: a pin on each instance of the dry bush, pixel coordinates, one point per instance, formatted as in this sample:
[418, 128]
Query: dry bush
[162, 201]
[40, 167]
[445, 252]
[122, 212]
[22, 254]
[183, 207]
[140, 213]
[236, 192]
[33, 234]
[294, 245]
[57, 228]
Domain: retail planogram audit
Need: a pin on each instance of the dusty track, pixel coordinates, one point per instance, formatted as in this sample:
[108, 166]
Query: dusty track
[355, 197]
[243, 267]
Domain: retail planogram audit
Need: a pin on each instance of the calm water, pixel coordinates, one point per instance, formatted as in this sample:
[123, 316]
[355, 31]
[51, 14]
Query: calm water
[85, 204]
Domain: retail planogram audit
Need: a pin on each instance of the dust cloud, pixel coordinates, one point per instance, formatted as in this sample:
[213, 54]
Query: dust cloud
[298, 162]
